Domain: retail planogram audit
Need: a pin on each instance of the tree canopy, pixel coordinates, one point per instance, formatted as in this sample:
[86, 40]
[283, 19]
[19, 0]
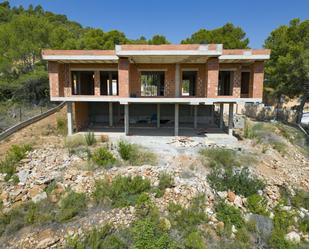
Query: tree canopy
[228, 34]
[287, 71]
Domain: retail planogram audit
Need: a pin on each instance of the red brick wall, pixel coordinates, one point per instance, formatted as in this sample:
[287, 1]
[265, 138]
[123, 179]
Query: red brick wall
[81, 115]
[169, 84]
[123, 77]
[257, 80]
[212, 77]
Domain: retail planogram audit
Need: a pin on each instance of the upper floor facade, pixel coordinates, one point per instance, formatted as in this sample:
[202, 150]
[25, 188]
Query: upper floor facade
[157, 73]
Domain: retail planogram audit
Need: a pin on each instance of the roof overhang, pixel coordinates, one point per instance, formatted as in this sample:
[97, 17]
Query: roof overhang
[253, 57]
[80, 57]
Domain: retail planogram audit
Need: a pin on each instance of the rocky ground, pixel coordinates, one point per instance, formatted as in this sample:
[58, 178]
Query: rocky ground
[50, 161]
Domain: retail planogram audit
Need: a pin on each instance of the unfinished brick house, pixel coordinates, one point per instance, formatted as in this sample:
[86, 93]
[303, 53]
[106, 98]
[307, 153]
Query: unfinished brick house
[170, 89]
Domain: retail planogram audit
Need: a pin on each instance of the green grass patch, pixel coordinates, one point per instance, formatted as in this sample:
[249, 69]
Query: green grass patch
[90, 138]
[229, 215]
[219, 157]
[62, 128]
[165, 181]
[135, 154]
[257, 204]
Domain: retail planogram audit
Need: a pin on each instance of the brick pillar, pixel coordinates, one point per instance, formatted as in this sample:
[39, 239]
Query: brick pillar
[67, 84]
[97, 91]
[123, 71]
[258, 78]
[236, 83]
[212, 77]
[53, 69]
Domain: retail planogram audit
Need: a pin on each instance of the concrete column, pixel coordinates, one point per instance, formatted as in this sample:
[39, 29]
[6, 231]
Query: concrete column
[195, 116]
[158, 115]
[126, 119]
[212, 114]
[221, 115]
[110, 112]
[230, 124]
[176, 119]
[70, 118]
[177, 80]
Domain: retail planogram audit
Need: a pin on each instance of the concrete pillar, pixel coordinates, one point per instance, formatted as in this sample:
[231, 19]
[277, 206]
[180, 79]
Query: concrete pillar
[195, 116]
[70, 118]
[212, 114]
[176, 119]
[110, 112]
[177, 80]
[126, 119]
[158, 116]
[230, 124]
[221, 115]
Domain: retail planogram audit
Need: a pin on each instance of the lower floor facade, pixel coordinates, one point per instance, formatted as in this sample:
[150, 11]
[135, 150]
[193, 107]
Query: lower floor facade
[173, 119]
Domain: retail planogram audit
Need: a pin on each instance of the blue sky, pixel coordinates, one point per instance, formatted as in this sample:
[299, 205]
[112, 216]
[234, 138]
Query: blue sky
[177, 20]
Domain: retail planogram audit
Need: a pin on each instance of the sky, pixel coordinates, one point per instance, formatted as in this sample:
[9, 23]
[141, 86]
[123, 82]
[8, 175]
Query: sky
[178, 19]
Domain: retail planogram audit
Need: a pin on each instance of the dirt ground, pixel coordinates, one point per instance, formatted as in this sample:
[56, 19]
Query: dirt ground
[35, 134]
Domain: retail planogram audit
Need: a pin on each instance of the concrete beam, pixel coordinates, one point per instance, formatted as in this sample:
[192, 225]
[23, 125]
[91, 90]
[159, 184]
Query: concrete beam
[126, 119]
[230, 123]
[176, 121]
[70, 118]
[110, 112]
[158, 116]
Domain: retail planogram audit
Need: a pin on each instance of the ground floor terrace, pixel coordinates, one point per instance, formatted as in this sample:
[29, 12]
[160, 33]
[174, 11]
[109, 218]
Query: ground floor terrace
[150, 119]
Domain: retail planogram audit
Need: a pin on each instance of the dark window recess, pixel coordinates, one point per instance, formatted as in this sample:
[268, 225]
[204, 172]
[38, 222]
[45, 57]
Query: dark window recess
[245, 82]
[188, 83]
[152, 83]
[82, 82]
[225, 86]
[109, 83]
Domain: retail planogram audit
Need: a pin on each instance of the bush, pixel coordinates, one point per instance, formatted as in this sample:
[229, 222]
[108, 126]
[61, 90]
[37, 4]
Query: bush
[13, 156]
[122, 191]
[71, 205]
[229, 215]
[195, 241]
[304, 225]
[187, 219]
[257, 204]
[103, 157]
[282, 219]
[105, 237]
[220, 157]
[165, 181]
[301, 199]
[135, 154]
[240, 182]
[74, 141]
[62, 126]
[90, 138]
[278, 241]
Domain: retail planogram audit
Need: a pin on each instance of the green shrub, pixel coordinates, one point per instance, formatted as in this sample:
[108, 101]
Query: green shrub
[248, 131]
[71, 205]
[283, 219]
[220, 157]
[105, 237]
[62, 125]
[241, 182]
[304, 225]
[13, 156]
[136, 155]
[90, 138]
[229, 215]
[194, 240]
[257, 204]
[165, 181]
[122, 191]
[278, 241]
[187, 219]
[301, 199]
[103, 157]
[148, 234]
